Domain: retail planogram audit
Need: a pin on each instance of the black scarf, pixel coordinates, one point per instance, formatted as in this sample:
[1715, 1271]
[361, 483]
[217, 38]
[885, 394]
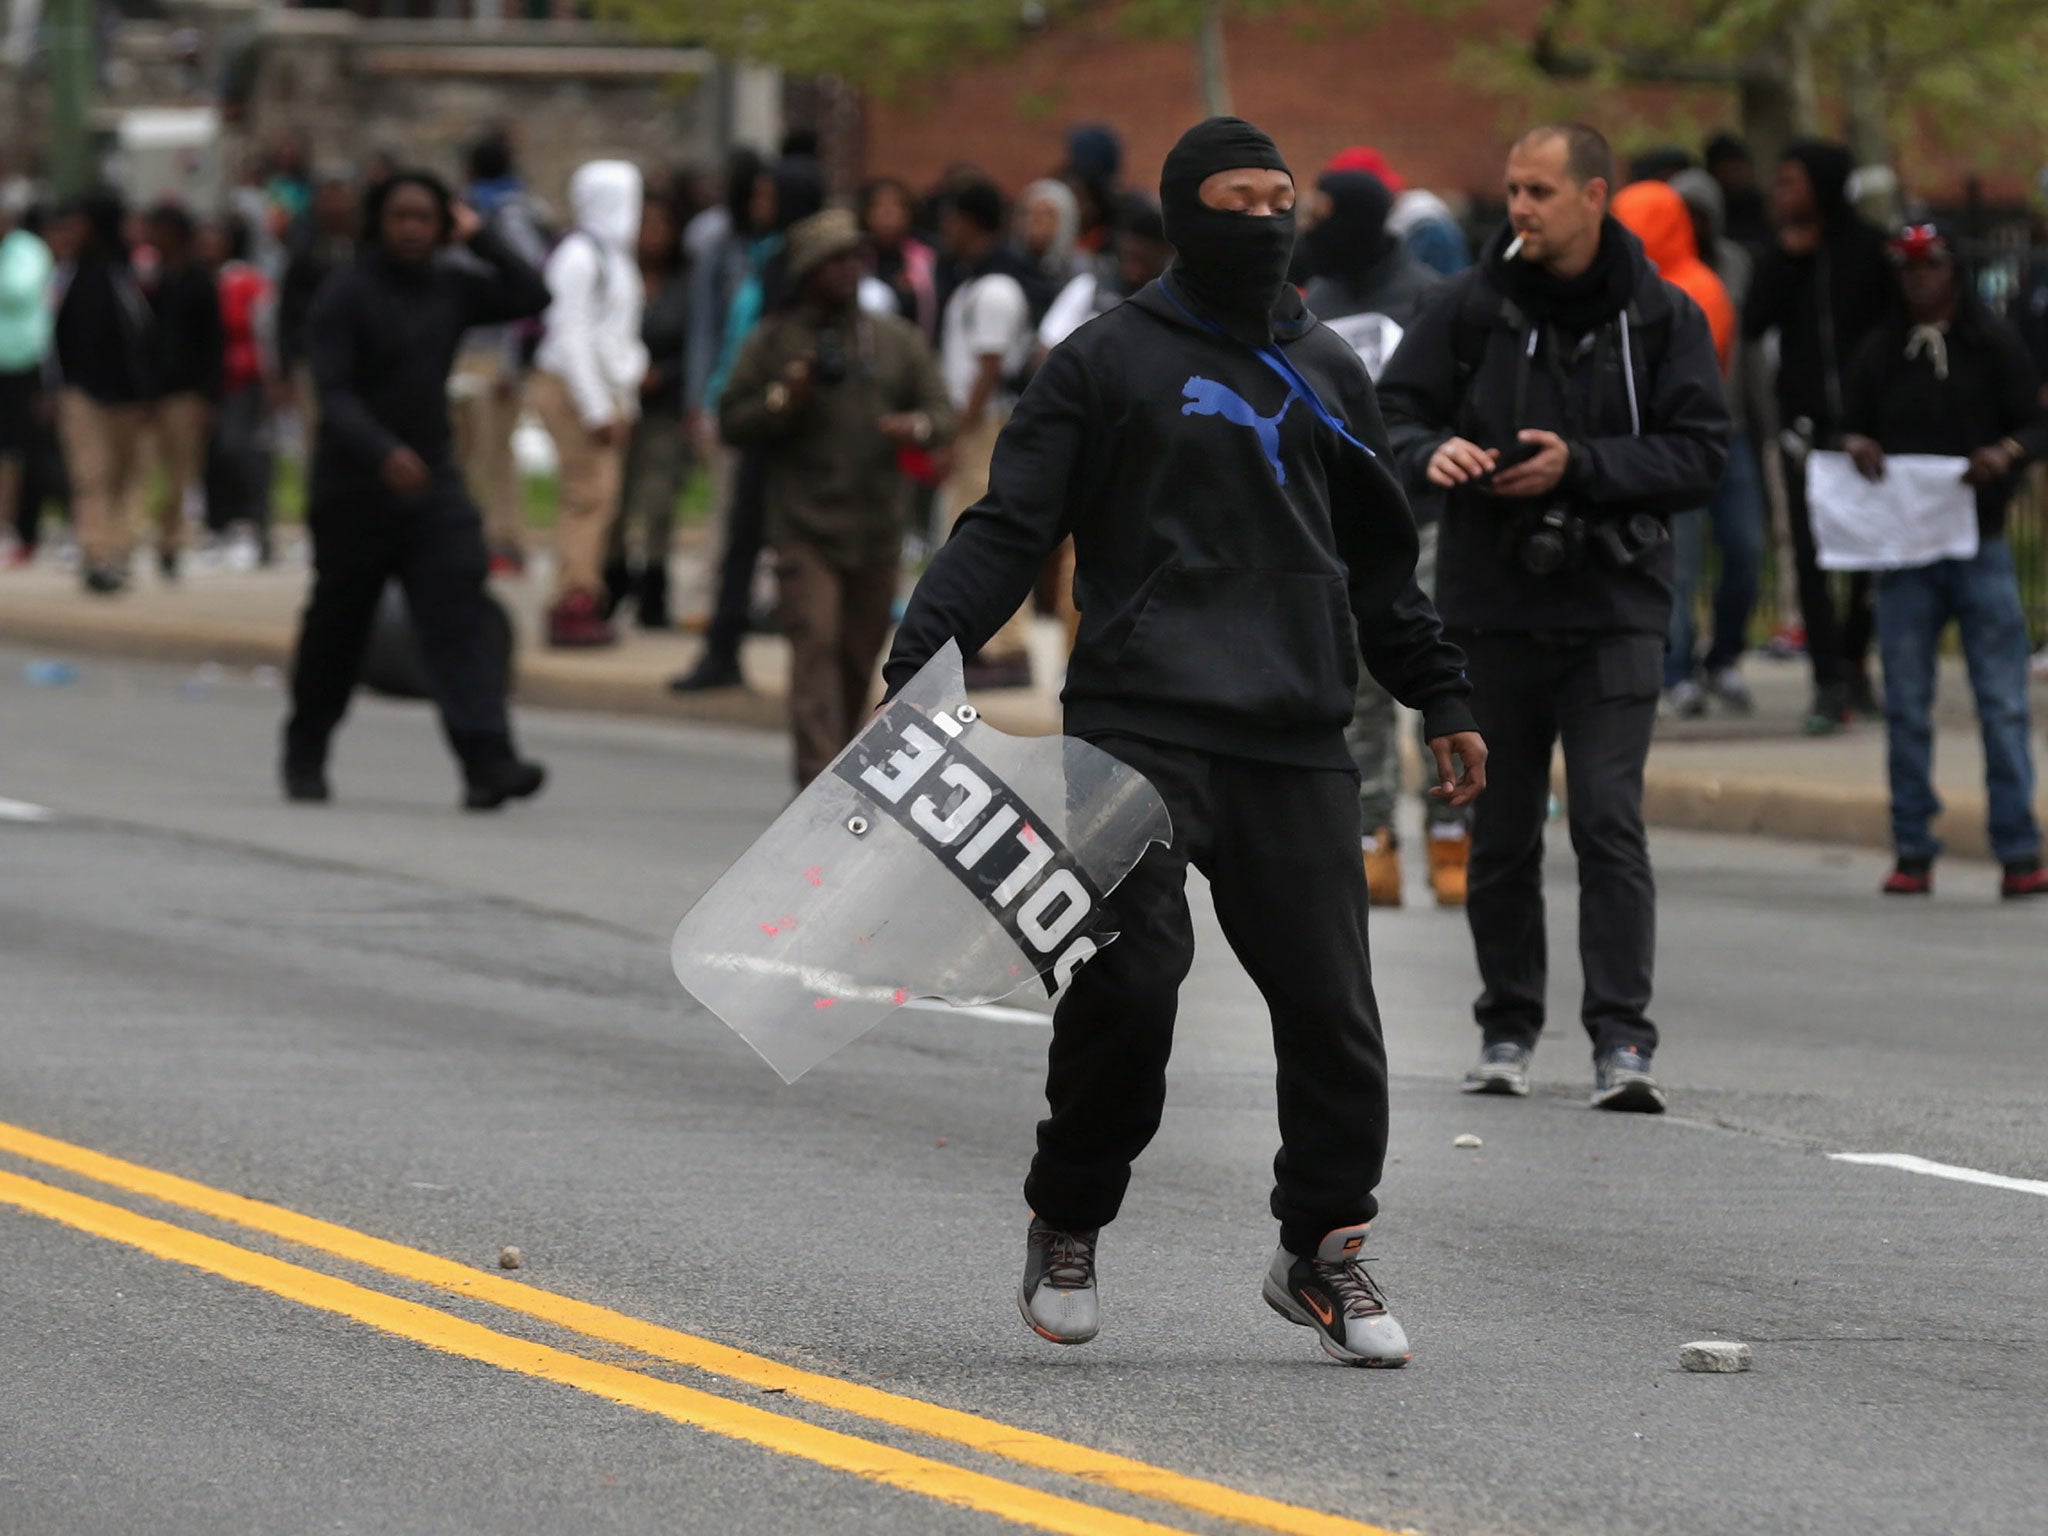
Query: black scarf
[1575, 305]
[1231, 266]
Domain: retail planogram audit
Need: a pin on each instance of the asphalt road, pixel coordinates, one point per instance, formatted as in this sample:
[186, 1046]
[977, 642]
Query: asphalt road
[456, 1033]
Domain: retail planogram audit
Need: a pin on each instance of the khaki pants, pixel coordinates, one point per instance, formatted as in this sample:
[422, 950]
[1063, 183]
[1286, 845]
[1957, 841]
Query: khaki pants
[103, 456]
[484, 413]
[589, 498]
[972, 451]
[179, 430]
[837, 622]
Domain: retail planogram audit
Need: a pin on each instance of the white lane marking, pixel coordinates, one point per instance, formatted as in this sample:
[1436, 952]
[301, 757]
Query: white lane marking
[987, 1012]
[21, 810]
[1905, 1162]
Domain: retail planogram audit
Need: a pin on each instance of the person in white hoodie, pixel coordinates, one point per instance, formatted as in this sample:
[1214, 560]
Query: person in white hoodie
[586, 385]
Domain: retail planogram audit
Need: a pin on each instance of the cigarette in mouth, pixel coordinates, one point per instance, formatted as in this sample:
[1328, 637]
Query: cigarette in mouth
[1514, 249]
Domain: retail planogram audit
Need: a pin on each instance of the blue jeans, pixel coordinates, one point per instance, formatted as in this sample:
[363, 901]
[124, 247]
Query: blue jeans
[1737, 513]
[1982, 597]
[1737, 516]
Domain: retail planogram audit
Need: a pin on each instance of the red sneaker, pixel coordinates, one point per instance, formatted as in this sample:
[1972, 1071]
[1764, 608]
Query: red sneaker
[2024, 880]
[1910, 880]
[576, 623]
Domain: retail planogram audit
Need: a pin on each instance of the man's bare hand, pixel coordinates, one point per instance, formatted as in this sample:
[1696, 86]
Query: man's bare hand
[1457, 462]
[1867, 455]
[1538, 476]
[1990, 464]
[406, 472]
[905, 426]
[1460, 768]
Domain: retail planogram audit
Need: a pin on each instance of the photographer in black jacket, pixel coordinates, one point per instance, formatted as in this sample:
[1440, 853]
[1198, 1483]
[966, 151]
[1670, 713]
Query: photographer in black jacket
[1239, 540]
[1567, 400]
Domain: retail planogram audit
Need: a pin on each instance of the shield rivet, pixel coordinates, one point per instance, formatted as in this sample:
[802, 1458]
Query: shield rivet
[857, 825]
[967, 714]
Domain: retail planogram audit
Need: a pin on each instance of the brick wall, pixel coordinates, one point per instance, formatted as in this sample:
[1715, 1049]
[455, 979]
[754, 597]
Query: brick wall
[1392, 84]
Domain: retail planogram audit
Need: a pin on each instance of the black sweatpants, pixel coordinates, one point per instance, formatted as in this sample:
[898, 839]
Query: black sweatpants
[1597, 693]
[434, 546]
[1279, 846]
[1837, 642]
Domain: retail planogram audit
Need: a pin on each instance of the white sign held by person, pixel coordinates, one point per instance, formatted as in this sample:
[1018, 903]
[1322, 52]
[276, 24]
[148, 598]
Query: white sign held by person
[1921, 512]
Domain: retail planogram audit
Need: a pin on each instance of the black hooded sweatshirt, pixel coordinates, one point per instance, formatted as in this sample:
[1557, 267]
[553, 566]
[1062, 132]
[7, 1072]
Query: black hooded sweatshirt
[1824, 306]
[1977, 386]
[1618, 363]
[382, 337]
[1239, 539]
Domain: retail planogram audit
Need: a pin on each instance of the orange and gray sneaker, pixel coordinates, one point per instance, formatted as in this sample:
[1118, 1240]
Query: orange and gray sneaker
[1382, 867]
[1057, 1297]
[1448, 849]
[1331, 1292]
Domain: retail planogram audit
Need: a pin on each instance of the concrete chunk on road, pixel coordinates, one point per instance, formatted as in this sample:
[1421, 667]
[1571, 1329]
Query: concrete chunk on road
[1715, 1355]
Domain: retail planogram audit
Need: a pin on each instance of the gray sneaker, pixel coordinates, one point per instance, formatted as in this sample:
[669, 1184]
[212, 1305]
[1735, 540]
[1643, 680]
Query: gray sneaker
[1057, 1297]
[1503, 1068]
[1331, 1292]
[1622, 1081]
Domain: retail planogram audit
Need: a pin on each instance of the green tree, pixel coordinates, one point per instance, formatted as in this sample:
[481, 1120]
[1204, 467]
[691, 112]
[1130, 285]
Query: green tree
[1963, 70]
[887, 45]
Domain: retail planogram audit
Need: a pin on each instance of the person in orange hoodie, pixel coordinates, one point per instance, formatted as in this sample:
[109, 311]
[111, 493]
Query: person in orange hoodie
[1656, 215]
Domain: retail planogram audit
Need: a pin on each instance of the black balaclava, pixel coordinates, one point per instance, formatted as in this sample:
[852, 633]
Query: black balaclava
[1233, 266]
[1354, 236]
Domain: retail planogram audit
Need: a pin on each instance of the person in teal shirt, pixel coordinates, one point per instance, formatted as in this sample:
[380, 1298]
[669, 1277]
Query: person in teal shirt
[26, 268]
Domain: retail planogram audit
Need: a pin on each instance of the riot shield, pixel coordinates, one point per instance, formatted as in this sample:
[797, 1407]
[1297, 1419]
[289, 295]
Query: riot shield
[935, 858]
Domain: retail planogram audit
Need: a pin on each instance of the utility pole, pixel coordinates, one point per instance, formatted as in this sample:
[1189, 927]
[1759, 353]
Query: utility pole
[1212, 61]
[72, 77]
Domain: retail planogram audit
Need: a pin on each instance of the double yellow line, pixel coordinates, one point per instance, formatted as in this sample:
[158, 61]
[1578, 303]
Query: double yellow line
[941, 1480]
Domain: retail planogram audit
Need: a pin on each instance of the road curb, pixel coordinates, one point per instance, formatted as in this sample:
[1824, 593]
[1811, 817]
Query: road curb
[1674, 797]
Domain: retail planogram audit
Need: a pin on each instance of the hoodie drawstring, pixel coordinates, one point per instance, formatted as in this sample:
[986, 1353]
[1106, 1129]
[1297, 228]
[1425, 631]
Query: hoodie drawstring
[1628, 374]
[1932, 342]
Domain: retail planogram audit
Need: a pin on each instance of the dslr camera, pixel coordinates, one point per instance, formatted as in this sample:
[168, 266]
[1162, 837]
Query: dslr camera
[1552, 537]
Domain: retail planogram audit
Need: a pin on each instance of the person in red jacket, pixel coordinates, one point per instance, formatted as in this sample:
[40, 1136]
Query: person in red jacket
[239, 459]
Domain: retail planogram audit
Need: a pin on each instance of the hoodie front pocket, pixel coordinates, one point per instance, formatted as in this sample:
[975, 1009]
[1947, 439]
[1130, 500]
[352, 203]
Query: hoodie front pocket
[1272, 644]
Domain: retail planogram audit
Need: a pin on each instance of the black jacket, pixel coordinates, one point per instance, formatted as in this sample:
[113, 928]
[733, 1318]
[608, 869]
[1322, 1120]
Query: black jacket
[314, 258]
[1823, 306]
[1990, 393]
[190, 341]
[1398, 287]
[102, 343]
[1235, 549]
[665, 332]
[1638, 398]
[383, 339]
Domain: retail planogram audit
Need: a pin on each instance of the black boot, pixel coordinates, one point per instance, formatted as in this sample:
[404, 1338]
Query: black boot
[618, 586]
[654, 596]
[493, 773]
[712, 672]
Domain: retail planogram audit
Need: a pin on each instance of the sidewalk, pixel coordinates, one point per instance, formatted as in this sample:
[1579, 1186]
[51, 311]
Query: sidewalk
[1723, 774]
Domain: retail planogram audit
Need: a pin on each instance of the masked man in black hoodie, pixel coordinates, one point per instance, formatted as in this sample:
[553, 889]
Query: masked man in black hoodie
[1567, 401]
[1825, 289]
[1219, 460]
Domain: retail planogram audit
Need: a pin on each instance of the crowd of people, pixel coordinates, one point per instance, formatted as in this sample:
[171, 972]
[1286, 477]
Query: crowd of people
[151, 363]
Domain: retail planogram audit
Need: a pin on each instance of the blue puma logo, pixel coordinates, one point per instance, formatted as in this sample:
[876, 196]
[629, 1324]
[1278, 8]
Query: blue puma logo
[1208, 398]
